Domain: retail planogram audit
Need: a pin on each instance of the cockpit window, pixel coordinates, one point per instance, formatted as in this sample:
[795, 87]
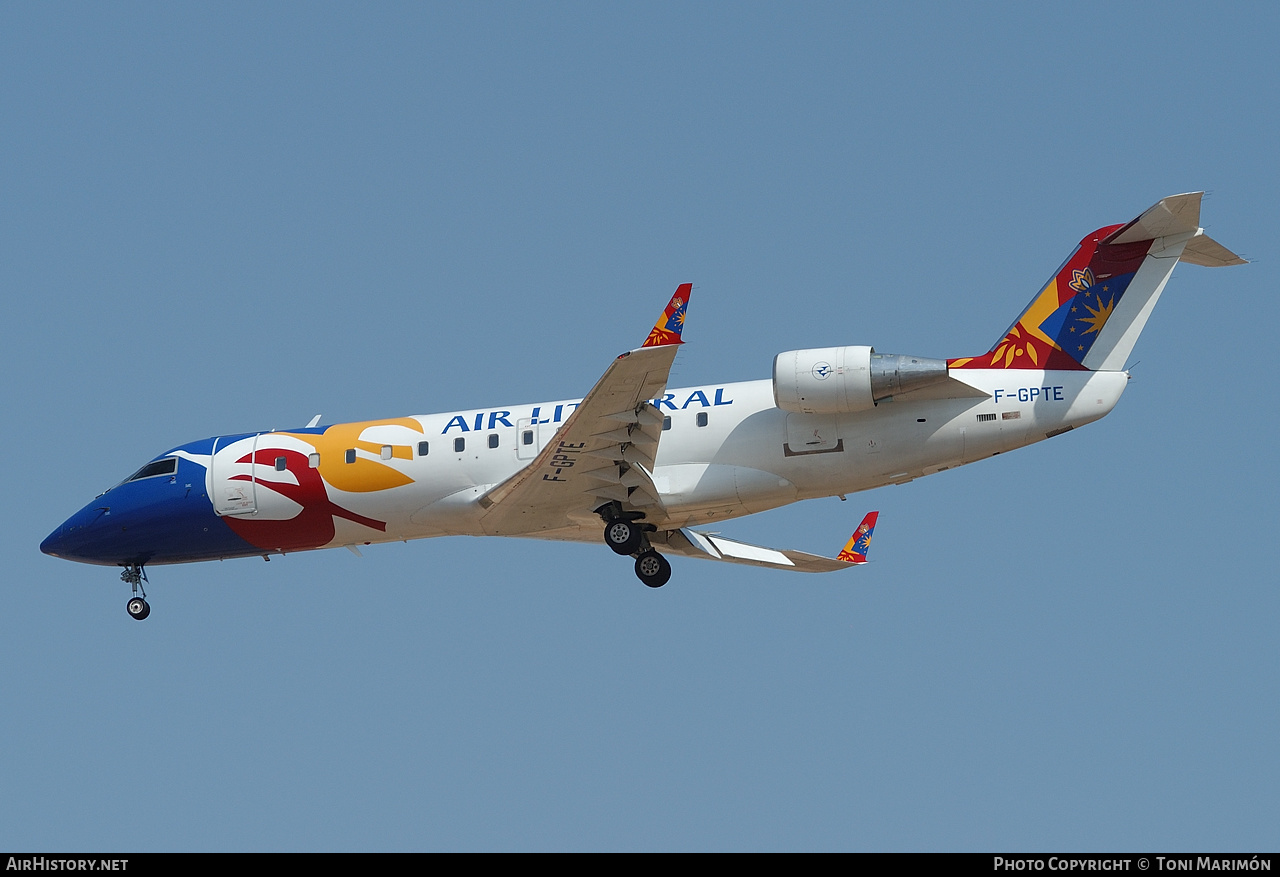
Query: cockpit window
[167, 466]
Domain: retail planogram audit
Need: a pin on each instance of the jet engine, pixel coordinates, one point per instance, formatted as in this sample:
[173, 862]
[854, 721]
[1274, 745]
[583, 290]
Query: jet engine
[842, 380]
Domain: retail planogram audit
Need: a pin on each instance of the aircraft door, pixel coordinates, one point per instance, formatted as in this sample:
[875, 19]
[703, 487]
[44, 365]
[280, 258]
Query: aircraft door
[812, 434]
[527, 446]
[234, 484]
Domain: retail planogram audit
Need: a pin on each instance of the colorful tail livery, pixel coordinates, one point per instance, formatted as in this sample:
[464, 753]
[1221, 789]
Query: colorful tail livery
[653, 470]
[855, 550]
[1091, 312]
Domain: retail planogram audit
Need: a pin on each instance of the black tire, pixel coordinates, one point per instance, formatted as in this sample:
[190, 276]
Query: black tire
[138, 608]
[653, 569]
[622, 536]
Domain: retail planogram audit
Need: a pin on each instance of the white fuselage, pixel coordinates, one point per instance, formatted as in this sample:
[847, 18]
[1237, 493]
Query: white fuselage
[728, 451]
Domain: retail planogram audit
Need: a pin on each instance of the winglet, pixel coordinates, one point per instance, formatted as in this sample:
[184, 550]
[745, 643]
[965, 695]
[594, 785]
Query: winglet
[855, 550]
[669, 326]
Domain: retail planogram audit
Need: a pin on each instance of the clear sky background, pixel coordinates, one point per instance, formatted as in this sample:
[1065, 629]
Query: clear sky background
[227, 218]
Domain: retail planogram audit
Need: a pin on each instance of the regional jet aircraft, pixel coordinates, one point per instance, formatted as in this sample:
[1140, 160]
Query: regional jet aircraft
[645, 467]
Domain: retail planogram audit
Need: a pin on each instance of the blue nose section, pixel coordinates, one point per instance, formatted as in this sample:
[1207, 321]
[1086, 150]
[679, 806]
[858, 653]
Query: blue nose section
[165, 518]
[52, 544]
[87, 536]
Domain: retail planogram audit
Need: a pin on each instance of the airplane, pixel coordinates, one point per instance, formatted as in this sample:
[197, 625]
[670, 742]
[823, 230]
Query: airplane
[646, 467]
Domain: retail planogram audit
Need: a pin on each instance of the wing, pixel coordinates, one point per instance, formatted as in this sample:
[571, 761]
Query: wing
[708, 546]
[606, 449]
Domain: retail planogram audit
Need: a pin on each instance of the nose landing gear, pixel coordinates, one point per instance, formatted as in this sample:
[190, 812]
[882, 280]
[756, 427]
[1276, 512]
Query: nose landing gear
[137, 607]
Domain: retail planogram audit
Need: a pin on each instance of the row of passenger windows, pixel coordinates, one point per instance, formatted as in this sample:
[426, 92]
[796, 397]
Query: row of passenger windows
[424, 448]
[169, 465]
[459, 445]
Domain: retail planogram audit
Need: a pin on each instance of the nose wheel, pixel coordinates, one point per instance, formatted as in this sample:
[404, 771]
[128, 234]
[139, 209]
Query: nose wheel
[137, 607]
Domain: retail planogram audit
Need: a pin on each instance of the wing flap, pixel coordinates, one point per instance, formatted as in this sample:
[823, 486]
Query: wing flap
[606, 449]
[567, 475]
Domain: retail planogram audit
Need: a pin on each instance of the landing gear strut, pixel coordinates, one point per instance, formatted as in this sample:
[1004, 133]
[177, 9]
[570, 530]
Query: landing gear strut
[137, 607]
[625, 534]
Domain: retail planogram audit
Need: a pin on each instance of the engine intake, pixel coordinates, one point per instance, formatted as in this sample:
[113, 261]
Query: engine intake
[843, 380]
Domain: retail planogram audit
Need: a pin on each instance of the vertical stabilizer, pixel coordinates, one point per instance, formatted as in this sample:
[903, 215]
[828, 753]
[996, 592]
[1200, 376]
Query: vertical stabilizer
[1089, 315]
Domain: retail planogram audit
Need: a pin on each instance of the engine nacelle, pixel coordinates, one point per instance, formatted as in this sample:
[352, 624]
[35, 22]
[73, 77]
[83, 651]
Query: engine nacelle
[843, 380]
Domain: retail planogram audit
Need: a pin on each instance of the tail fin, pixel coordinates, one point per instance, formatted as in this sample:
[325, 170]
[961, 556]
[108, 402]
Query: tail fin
[1094, 307]
[855, 550]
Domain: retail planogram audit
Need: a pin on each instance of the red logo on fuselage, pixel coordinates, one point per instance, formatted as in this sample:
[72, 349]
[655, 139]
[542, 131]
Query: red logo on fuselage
[310, 528]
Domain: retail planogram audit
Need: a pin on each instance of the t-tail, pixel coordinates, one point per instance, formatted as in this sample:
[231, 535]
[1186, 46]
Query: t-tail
[1088, 317]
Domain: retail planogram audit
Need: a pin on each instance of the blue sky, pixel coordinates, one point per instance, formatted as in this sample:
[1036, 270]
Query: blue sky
[226, 218]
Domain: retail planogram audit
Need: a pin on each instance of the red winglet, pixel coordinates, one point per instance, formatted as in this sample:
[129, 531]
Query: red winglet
[669, 326]
[855, 550]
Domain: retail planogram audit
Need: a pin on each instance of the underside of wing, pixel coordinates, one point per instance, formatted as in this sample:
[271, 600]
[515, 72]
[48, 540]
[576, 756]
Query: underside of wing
[604, 454]
[711, 546]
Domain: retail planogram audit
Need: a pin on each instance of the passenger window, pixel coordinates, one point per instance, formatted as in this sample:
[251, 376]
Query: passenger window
[386, 452]
[281, 464]
[702, 418]
[351, 455]
[423, 447]
[314, 461]
[459, 445]
[493, 439]
[526, 437]
[666, 422]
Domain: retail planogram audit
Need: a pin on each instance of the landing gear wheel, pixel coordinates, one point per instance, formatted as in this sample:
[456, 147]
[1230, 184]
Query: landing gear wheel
[138, 608]
[623, 537]
[653, 569]
[137, 605]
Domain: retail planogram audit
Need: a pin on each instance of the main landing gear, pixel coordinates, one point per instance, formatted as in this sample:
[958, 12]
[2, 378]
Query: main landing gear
[653, 569]
[137, 607]
[624, 533]
[624, 537]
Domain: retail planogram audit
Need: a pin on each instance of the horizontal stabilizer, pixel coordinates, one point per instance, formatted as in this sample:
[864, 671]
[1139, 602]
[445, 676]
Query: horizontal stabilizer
[1205, 251]
[1177, 214]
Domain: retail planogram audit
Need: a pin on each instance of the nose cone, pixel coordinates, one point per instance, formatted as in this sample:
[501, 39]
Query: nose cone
[87, 536]
[52, 544]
